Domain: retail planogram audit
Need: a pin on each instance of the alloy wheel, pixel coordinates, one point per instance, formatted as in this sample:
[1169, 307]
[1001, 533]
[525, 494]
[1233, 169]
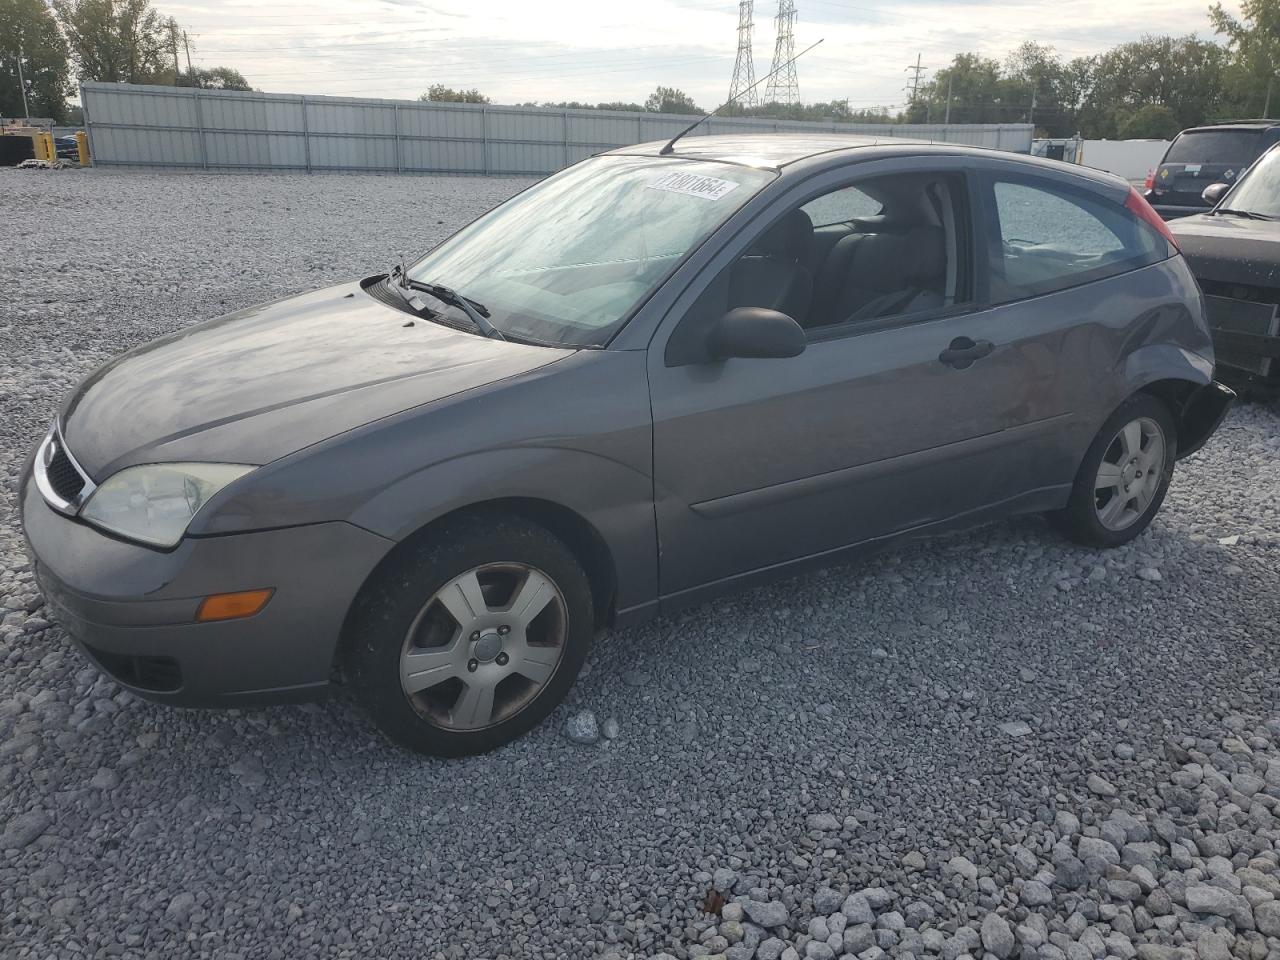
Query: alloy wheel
[483, 646]
[1130, 474]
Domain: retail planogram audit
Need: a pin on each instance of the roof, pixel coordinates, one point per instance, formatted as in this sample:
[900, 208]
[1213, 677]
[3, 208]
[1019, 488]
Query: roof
[760, 150]
[777, 150]
[1234, 124]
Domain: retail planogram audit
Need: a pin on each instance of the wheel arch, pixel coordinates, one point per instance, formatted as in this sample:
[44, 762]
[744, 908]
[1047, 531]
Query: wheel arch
[1196, 408]
[570, 527]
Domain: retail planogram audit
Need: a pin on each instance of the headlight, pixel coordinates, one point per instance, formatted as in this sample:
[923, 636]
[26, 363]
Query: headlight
[154, 503]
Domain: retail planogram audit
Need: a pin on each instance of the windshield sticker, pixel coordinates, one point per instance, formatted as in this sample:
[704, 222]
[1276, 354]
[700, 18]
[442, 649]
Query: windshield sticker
[693, 185]
[1191, 168]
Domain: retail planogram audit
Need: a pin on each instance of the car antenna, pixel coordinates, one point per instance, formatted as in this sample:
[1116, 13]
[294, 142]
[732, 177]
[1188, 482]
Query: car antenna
[670, 147]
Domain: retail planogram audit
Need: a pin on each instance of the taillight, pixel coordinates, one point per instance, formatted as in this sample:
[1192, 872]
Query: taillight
[1150, 182]
[1136, 204]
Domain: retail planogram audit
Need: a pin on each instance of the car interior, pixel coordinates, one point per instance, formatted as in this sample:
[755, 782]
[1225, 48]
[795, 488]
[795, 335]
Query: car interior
[893, 251]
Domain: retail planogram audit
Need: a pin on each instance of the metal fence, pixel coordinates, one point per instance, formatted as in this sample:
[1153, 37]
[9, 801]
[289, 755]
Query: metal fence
[187, 128]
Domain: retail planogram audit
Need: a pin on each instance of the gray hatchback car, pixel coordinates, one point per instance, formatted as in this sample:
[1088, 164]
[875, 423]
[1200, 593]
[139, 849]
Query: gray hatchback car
[654, 376]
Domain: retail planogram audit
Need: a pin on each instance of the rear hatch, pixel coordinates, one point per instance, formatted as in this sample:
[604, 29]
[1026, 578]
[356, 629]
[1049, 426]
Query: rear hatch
[1197, 158]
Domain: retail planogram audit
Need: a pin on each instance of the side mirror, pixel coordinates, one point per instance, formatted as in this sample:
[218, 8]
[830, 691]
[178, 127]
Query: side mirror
[1214, 192]
[754, 332]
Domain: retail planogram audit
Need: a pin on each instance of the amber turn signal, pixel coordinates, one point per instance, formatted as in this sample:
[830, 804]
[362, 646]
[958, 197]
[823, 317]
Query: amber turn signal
[231, 606]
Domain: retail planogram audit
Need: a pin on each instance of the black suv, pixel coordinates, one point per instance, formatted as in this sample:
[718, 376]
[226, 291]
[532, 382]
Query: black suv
[1204, 155]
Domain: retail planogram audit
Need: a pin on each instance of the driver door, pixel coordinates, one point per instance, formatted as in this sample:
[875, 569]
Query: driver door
[759, 462]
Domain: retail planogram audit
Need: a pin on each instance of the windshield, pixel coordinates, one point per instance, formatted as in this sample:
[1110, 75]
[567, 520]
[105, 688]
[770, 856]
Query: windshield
[1215, 146]
[1258, 192]
[568, 260]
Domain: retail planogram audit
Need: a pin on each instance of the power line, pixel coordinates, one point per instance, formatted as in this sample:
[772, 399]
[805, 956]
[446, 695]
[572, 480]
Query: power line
[744, 69]
[784, 85]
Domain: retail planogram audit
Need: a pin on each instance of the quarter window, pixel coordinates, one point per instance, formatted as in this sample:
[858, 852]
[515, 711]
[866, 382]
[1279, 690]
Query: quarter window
[1045, 238]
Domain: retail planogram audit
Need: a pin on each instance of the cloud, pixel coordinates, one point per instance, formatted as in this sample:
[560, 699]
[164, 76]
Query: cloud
[515, 50]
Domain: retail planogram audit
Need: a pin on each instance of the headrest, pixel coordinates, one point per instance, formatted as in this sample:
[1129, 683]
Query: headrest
[788, 239]
[878, 223]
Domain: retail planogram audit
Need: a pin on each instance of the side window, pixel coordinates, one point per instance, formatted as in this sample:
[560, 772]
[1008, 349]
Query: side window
[840, 207]
[1046, 237]
[862, 254]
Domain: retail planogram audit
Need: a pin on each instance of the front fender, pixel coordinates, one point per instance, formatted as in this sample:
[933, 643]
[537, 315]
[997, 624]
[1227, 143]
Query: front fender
[613, 498]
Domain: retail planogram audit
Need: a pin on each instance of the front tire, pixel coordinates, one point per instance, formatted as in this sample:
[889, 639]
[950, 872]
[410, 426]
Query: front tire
[1124, 477]
[471, 636]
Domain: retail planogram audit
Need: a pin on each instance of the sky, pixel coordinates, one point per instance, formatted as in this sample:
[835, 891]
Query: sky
[516, 51]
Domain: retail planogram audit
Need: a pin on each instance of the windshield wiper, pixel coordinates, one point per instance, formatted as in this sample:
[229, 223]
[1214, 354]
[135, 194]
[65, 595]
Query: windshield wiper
[476, 312]
[1247, 214]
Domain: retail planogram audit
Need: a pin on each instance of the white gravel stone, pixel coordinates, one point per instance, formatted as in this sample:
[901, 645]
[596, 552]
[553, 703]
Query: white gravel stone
[727, 754]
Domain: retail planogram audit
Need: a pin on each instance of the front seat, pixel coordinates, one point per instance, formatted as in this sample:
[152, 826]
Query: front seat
[772, 273]
[893, 273]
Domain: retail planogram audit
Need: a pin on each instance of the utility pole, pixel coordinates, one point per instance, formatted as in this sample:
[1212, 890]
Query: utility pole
[195, 81]
[744, 69]
[1266, 107]
[917, 73]
[950, 81]
[173, 40]
[1031, 114]
[22, 85]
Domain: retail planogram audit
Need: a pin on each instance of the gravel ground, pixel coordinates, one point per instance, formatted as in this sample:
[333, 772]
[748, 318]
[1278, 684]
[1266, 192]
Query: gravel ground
[1025, 749]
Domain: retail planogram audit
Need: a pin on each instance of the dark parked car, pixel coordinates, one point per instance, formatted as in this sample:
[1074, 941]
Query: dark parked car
[67, 148]
[1204, 155]
[652, 377]
[1234, 252]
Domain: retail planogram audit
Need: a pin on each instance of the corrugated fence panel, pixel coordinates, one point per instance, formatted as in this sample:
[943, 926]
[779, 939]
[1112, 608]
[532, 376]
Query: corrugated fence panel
[450, 156]
[223, 130]
[441, 124]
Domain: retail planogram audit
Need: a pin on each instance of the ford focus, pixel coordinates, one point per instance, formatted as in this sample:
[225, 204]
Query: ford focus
[660, 374]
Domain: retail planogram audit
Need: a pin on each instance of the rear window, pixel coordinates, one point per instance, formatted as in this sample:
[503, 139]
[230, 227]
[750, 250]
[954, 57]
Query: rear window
[1215, 146]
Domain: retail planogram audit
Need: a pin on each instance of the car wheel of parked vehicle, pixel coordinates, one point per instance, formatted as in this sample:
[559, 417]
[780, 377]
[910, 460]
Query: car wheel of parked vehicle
[1124, 476]
[472, 636]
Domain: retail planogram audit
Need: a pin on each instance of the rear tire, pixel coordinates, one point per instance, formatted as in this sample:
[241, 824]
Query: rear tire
[471, 636]
[1124, 476]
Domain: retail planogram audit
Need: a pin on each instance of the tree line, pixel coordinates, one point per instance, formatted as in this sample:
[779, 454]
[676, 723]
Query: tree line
[1148, 88]
[44, 45]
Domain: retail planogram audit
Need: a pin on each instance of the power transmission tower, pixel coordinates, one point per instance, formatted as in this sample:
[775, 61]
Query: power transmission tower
[744, 68]
[784, 86]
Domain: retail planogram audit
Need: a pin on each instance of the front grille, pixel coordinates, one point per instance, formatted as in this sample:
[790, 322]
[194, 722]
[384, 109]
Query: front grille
[158, 674]
[63, 475]
[1240, 291]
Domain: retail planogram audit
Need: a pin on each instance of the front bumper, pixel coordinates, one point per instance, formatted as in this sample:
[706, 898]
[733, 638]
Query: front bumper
[1246, 334]
[132, 609]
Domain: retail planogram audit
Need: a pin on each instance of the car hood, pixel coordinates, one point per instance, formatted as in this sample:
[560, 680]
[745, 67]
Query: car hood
[264, 382]
[1230, 249]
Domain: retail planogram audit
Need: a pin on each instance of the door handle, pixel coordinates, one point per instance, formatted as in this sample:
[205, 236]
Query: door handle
[963, 352]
